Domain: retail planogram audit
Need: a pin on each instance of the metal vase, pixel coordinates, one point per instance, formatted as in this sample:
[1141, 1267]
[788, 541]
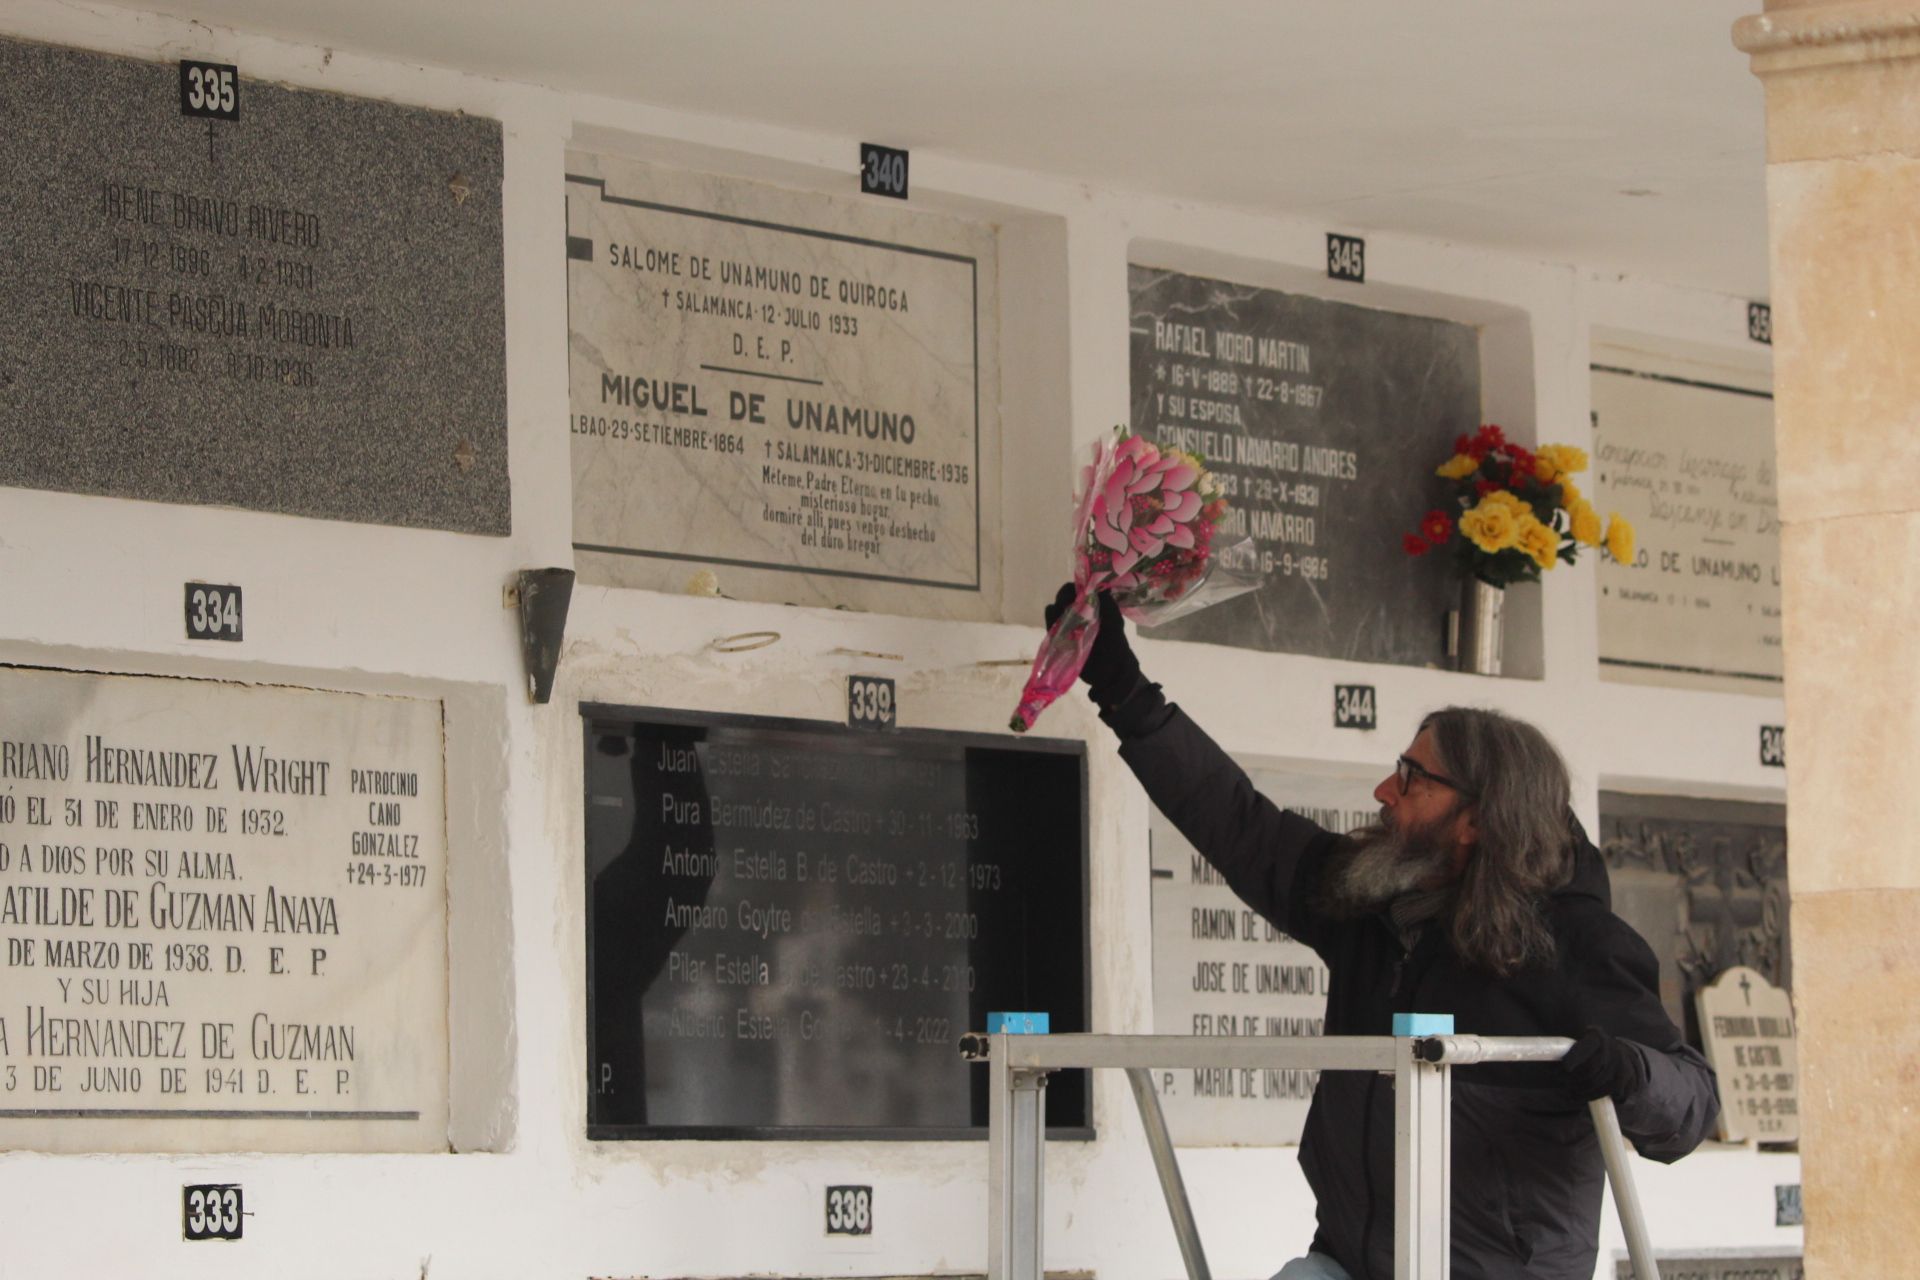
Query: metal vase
[1482, 613]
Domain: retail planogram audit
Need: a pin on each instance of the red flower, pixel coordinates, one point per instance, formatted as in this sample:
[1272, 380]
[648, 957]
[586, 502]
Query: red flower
[1437, 527]
[1463, 444]
[1481, 488]
[1490, 437]
[1414, 545]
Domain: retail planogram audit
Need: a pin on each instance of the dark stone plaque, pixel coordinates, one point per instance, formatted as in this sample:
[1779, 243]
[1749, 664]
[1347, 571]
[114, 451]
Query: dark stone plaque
[298, 311]
[1326, 422]
[790, 925]
[1720, 1264]
[1705, 883]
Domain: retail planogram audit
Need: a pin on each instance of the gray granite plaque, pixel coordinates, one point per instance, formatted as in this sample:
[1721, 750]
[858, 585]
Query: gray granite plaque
[1705, 883]
[1326, 422]
[299, 311]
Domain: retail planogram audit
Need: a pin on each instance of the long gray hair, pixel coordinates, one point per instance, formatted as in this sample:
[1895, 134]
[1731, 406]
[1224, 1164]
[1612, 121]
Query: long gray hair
[1525, 848]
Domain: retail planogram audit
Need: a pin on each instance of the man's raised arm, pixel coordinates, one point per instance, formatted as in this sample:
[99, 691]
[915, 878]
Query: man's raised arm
[1257, 846]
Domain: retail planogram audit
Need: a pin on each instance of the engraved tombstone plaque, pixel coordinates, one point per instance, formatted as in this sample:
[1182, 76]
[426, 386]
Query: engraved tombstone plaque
[1720, 1264]
[1221, 970]
[1705, 883]
[793, 391]
[1683, 448]
[1747, 1024]
[1325, 422]
[298, 311]
[222, 917]
[791, 924]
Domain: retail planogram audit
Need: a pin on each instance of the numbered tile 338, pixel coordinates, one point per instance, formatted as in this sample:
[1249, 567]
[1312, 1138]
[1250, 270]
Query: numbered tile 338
[849, 1211]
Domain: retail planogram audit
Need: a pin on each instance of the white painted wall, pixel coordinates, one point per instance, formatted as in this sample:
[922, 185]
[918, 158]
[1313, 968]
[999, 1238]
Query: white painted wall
[95, 583]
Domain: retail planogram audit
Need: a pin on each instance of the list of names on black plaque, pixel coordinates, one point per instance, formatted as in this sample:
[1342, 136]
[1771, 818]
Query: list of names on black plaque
[790, 925]
[1324, 422]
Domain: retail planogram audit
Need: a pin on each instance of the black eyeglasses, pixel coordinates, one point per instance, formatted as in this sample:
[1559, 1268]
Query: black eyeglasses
[1406, 770]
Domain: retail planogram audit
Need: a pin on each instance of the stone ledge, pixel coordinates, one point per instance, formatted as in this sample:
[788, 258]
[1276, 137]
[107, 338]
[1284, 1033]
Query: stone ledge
[1822, 34]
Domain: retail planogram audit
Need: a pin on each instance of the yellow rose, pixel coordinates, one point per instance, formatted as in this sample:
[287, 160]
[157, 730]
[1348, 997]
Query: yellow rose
[1543, 468]
[1585, 523]
[1508, 499]
[1458, 467]
[1538, 541]
[1619, 539]
[1492, 526]
[1569, 493]
[1565, 459]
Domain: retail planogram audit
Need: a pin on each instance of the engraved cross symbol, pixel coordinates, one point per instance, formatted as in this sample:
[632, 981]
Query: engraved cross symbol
[1746, 989]
[209, 142]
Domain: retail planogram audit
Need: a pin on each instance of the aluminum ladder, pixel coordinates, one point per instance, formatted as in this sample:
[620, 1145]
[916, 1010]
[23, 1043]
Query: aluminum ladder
[1422, 1065]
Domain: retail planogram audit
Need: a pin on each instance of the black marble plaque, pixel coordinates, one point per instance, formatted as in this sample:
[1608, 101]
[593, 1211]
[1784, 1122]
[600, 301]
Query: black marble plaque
[1705, 883]
[1326, 422]
[297, 311]
[791, 925]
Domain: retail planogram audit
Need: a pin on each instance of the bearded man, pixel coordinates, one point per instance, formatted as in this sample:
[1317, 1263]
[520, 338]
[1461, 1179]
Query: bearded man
[1475, 894]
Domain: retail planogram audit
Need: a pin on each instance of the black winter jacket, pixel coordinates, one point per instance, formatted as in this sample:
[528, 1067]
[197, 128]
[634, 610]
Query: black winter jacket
[1527, 1173]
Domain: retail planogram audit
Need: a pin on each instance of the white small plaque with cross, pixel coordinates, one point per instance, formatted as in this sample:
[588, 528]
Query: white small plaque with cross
[1747, 1026]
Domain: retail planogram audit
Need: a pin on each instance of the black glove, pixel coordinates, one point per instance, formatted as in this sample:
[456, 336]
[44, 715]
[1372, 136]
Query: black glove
[1603, 1066]
[1111, 671]
[1129, 702]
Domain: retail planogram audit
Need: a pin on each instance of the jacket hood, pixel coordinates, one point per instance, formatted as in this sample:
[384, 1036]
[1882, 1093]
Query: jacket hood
[1589, 878]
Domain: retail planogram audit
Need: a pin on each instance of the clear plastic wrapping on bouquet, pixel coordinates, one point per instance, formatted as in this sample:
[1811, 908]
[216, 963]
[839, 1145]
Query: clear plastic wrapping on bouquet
[1147, 529]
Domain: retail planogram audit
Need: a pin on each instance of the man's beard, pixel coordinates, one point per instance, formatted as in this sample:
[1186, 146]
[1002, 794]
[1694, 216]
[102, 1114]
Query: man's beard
[1381, 862]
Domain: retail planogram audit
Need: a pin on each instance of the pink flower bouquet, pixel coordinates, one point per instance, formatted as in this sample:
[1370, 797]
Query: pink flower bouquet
[1145, 526]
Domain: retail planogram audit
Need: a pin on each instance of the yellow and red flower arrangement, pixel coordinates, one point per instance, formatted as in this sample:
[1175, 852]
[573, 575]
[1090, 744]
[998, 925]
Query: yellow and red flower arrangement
[1518, 511]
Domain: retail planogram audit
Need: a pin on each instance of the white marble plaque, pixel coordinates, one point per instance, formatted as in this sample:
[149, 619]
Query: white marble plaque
[222, 917]
[1219, 969]
[794, 392]
[1683, 448]
[1746, 1024]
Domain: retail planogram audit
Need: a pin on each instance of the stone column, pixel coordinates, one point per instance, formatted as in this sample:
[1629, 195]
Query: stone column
[1843, 184]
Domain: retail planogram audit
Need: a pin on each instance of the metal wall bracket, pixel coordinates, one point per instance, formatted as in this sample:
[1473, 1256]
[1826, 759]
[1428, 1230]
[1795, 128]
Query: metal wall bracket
[543, 596]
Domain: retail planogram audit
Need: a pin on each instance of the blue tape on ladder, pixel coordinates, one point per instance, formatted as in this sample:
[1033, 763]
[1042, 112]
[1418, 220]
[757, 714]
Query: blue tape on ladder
[1423, 1024]
[1017, 1024]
